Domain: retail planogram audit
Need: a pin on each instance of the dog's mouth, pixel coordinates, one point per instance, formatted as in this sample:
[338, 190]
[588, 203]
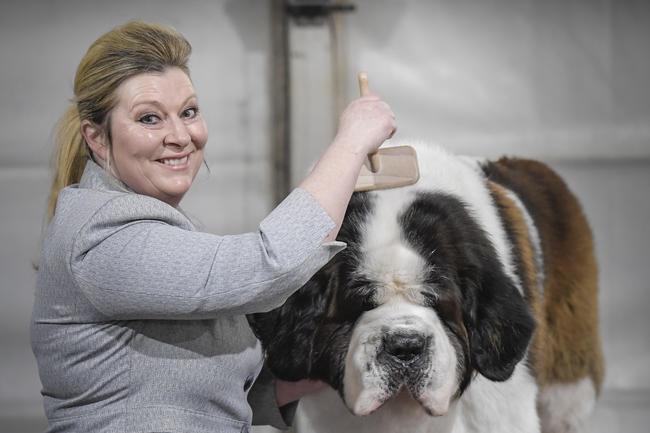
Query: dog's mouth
[421, 379]
[432, 405]
[398, 358]
[409, 388]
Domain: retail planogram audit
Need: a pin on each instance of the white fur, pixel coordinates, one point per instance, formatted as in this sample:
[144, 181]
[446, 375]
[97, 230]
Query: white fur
[325, 413]
[364, 388]
[502, 407]
[566, 408]
[486, 407]
[385, 258]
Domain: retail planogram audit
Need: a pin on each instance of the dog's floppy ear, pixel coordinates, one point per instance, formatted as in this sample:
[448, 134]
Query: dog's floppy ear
[501, 325]
[287, 332]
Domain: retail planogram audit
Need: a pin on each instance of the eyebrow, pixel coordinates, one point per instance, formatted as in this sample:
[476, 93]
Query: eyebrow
[158, 104]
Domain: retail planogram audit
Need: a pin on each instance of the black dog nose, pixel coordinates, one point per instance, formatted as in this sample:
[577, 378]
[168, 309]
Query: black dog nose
[404, 347]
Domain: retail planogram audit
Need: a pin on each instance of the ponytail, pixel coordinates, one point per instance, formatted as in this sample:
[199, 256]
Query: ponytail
[70, 157]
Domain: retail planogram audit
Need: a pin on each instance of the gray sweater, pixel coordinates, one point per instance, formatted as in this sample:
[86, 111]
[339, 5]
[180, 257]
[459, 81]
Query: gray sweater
[138, 322]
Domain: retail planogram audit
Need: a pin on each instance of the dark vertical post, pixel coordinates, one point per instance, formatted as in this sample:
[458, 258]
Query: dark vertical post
[281, 119]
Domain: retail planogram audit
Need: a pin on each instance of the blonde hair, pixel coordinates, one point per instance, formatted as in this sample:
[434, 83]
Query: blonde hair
[128, 50]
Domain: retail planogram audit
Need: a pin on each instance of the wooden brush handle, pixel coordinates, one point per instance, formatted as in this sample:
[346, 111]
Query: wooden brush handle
[364, 90]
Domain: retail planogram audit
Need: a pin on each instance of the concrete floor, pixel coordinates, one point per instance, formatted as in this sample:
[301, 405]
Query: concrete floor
[622, 411]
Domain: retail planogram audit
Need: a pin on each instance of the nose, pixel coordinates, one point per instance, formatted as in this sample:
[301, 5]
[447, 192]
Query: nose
[404, 347]
[178, 133]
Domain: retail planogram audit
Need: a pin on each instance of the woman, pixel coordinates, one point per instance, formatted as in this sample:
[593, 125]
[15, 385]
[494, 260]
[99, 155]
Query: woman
[139, 320]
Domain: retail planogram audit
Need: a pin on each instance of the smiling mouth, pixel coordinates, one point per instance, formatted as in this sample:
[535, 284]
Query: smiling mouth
[175, 162]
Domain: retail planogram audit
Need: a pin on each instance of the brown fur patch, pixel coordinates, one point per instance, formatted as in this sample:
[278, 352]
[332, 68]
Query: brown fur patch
[524, 260]
[566, 346]
[517, 231]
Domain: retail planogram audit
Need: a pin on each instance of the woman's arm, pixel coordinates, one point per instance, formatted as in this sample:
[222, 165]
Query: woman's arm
[138, 258]
[363, 126]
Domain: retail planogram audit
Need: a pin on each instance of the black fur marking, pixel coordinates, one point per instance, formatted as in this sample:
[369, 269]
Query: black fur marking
[475, 299]
[517, 259]
[355, 294]
[287, 333]
[485, 316]
[300, 338]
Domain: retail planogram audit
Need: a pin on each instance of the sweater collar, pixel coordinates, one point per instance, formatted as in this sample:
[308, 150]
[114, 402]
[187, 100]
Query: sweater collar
[95, 177]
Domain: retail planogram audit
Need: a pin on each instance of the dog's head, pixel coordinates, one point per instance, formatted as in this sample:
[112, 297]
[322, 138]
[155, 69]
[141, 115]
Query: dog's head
[418, 303]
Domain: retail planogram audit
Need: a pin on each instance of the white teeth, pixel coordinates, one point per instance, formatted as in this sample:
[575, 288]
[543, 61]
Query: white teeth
[175, 161]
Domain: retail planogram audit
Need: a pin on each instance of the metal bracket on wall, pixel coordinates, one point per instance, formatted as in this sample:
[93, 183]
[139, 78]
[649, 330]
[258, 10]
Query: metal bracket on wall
[315, 12]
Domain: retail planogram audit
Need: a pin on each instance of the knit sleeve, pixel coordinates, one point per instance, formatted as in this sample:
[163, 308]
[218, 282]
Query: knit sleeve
[137, 258]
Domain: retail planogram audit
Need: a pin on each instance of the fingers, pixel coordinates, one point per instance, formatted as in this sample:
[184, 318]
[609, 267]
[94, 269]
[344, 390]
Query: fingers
[374, 102]
[392, 133]
[366, 123]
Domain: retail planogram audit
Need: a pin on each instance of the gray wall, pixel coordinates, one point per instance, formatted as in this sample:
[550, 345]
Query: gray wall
[563, 81]
[550, 79]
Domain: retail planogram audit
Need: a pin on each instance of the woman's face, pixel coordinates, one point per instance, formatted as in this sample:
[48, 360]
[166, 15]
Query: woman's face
[157, 134]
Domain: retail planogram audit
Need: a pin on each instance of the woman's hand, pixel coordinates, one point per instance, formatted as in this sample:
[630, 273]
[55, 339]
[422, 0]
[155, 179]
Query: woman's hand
[286, 392]
[365, 124]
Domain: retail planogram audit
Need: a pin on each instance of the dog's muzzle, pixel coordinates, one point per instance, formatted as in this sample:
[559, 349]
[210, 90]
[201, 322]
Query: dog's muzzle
[399, 348]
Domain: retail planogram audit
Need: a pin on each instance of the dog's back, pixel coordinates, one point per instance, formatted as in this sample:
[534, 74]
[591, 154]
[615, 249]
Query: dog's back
[558, 271]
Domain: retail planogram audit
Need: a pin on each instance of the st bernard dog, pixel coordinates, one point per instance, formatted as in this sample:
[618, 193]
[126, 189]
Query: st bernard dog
[464, 303]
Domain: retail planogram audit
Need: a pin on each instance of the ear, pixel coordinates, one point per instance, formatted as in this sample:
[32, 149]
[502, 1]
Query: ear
[502, 327]
[287, 333]
[96, 139]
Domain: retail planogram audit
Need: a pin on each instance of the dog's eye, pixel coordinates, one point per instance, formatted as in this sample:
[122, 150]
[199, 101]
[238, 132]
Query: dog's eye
[361, 287]
[355, 298]
[430, 298]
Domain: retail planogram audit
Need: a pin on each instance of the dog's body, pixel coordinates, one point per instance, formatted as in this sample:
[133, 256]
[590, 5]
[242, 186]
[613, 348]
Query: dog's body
[464, 303]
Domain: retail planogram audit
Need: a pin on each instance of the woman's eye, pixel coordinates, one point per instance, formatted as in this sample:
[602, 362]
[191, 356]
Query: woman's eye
[191, 112]
[149, 119]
